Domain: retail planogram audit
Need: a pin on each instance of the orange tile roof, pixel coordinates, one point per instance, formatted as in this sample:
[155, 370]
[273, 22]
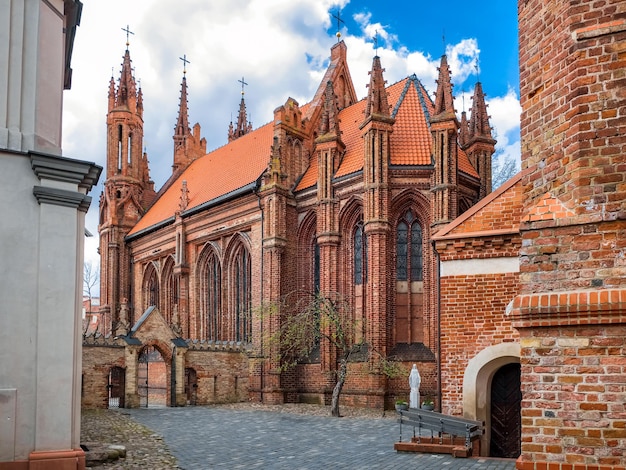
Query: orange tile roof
[411, 141]
[464, 164]
[243, 160]
[216, 174]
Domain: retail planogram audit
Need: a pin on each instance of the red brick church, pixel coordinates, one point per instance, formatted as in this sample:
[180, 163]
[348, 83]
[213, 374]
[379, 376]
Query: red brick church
[511, 302]
[336, 195]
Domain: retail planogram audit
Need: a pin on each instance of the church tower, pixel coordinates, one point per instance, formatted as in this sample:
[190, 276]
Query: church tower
[444, 128]
[479, 144]
[128, 192]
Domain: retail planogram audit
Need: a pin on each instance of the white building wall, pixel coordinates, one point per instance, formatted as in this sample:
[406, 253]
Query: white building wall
[42, 207]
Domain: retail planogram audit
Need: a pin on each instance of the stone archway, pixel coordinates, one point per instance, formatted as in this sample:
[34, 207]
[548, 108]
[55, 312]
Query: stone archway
[477, 384]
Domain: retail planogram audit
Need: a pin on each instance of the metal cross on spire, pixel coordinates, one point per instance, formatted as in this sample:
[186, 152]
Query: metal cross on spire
[128, 33]
[185, 62]
[339, 21]
[243, 83]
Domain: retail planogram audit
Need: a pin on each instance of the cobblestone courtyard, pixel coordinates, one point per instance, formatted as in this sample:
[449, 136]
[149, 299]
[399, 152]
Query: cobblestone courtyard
[245, 436]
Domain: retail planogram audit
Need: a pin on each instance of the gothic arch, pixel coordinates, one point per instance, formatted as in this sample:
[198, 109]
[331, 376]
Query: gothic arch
[237, 275]
[209, 289]
[411, 299]
[150, 286]
[411, 199]
[477, 383]
[307, 243]
[169, 290]
[353, 261]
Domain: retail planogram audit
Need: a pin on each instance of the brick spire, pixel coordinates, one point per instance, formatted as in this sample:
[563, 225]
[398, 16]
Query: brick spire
[243, 126]
[111, 92]
[127, 89]
[182, 124]
[444, 101]
[480, 145]
[377, 95]
[479, 121]
[188, 145]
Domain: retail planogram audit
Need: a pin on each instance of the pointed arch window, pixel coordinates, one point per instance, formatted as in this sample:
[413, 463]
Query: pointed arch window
[212, 297]
[242, 269]
[409, 250]
[151, 287]
[360, 254]
[171, 292]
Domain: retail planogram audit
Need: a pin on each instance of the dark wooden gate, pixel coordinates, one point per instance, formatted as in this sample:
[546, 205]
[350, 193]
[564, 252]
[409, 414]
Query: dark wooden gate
[116, 386]
[506, 421]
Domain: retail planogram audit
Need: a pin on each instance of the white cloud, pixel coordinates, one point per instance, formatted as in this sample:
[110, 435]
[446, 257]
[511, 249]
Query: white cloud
[505, 112]
[463, 59]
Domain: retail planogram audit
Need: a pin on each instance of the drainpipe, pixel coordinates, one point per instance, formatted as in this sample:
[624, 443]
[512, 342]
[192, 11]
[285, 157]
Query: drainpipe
[438, 313]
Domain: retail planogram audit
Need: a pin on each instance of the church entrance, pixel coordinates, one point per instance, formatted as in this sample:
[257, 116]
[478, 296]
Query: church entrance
[151, 378]
[506, 421]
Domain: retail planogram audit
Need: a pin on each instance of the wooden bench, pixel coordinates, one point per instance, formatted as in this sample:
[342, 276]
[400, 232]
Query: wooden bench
[454, 435]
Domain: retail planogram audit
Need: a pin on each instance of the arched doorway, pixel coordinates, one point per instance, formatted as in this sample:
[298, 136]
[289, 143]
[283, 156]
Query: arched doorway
[506, 420]
[477, 385]
[151, 378]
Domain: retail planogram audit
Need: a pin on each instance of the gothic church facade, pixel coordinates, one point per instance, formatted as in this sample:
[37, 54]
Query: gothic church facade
[338, 195]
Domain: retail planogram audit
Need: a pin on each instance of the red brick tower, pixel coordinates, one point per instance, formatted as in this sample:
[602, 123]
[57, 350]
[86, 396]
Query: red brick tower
[444, 127]
[128, 191]
[329, 149]
[571, 313]
[376, 130]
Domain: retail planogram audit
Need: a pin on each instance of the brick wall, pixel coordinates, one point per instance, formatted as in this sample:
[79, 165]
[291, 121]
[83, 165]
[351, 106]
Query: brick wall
[472, 318]
[570, 313]
[222, 377]
[573, 395]
[97, 363]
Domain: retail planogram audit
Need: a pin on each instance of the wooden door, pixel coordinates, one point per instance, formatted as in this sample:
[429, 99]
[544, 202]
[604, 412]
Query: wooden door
[506, 421]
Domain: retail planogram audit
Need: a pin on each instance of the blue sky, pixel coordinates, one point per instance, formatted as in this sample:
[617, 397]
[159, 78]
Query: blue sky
[281, 47]
[422, 26]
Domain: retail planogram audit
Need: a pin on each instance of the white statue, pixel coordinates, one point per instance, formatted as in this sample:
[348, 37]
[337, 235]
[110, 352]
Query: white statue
[414, 382]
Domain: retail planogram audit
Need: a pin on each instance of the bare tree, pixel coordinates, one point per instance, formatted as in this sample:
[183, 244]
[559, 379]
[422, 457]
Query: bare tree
[307, 321]
[503, 168]
[91, 277]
